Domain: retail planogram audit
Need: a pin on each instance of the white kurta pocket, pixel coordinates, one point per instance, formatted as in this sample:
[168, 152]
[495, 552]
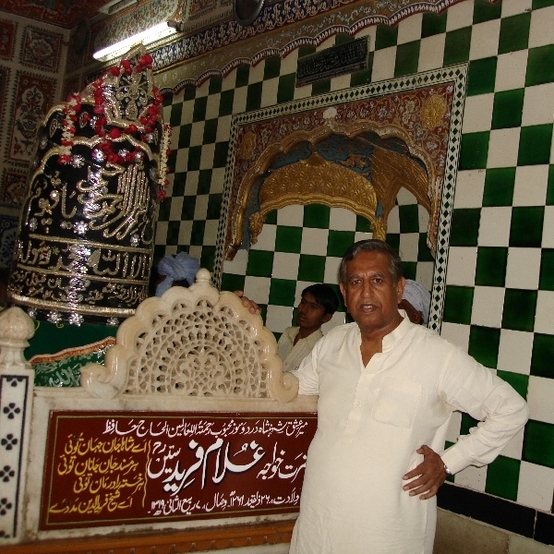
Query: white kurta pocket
[396, 402]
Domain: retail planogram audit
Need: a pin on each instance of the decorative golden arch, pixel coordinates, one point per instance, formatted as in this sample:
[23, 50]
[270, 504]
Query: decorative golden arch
[420, 112]
[423, 112]
[318, 180]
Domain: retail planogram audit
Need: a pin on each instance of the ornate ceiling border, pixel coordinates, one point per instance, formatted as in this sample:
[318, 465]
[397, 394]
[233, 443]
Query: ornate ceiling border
[282, 27]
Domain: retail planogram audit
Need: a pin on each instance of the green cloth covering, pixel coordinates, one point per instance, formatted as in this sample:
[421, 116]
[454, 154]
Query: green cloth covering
[57, 352]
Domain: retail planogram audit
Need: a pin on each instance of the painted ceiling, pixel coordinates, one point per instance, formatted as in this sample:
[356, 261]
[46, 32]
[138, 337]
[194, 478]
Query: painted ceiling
[63, 13]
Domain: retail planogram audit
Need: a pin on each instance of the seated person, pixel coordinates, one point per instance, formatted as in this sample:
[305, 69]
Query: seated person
[415, 302]
[317, 306]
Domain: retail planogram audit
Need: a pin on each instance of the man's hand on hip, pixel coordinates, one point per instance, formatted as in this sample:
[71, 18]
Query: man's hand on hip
[427, 477]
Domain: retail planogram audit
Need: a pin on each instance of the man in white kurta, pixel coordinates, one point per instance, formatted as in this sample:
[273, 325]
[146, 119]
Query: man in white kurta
[373, 466]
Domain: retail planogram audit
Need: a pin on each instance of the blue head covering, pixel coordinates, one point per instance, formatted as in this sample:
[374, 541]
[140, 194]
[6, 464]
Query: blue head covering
[181, 267]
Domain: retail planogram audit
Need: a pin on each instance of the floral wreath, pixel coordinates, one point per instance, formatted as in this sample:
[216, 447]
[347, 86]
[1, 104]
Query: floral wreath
[107, 133]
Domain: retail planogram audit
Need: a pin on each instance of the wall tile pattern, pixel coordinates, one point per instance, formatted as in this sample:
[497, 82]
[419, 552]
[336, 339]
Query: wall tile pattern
[41, 49]
[8, 232]
[32, 99]
[7, 37]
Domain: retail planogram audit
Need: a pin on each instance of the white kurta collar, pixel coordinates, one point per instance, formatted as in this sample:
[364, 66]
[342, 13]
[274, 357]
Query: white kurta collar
[396, 334]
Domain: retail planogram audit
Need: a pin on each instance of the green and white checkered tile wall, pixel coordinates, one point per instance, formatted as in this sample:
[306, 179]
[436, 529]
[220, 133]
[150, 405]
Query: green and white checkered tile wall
[301, 245]
[499, 296]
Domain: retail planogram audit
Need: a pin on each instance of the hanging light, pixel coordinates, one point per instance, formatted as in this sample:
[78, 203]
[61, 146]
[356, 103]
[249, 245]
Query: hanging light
[153, 34]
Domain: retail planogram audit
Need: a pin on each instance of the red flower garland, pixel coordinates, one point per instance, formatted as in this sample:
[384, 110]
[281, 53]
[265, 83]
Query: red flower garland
[148, 121]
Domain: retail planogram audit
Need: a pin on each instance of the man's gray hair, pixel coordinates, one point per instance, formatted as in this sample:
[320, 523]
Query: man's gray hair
[372, 245]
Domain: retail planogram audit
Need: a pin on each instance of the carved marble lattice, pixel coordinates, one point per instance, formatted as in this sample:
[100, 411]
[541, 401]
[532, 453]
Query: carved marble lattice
[193, 342]
[198, 352]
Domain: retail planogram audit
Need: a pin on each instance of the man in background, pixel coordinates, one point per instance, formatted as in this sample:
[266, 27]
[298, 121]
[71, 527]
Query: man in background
[317, 306]
[179, 269]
